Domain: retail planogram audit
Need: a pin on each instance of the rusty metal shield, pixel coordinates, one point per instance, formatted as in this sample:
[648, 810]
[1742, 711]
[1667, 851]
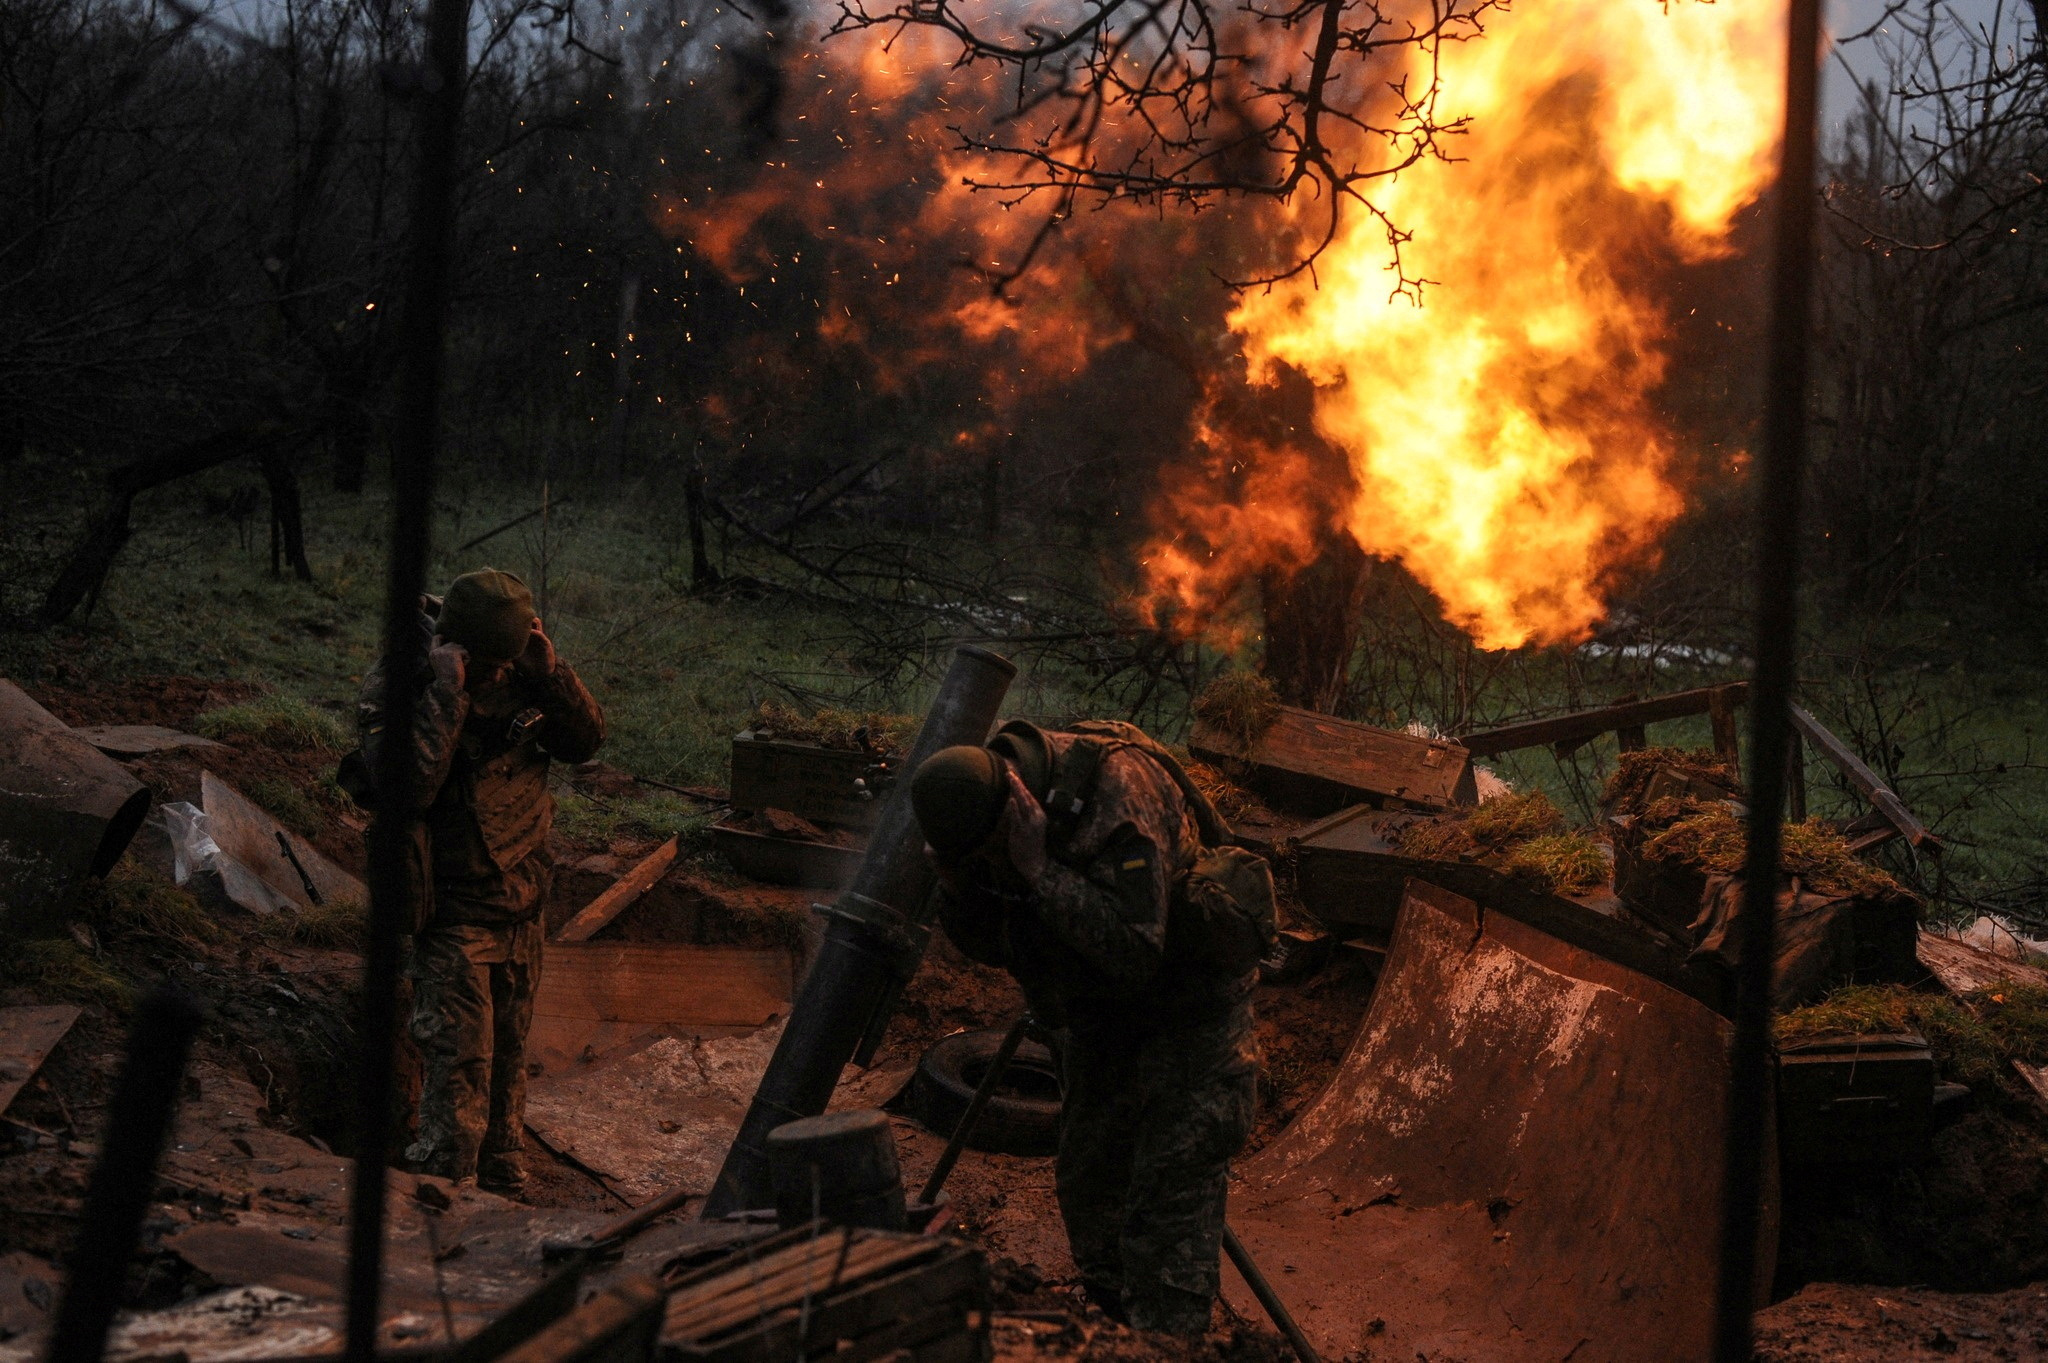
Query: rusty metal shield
[1519, 1158]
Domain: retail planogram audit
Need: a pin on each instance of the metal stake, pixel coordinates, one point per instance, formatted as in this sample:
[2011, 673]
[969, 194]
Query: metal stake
[985, 1090]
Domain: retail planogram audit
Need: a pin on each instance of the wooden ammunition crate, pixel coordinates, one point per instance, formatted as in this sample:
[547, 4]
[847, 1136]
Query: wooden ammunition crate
[851, 1296]
[786, 861]
[825, 785]
[1312, 764]
[1856, 1100]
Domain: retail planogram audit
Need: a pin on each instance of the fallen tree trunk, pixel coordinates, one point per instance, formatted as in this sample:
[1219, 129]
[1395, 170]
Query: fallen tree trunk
[85, 572]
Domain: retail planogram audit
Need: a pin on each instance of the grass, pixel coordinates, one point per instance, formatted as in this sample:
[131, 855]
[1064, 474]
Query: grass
[1633, 772]
[1565, 863]
[1975, 1038]
[680, 675]
[291, 806]
[1714, 840]
[1484, 831]
[659, 814]
[1239, 704]
[340, 925]
[279, 720]
[829, 727]
[1522, 833]
[58, 968]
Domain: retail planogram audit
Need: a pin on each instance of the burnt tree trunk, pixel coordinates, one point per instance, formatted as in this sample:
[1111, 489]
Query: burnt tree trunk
[1312, 622]
[287, 516]
[702, 575]
[85, 572]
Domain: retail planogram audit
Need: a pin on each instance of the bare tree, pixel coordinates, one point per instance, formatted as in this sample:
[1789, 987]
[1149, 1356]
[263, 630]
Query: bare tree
[1189, 100]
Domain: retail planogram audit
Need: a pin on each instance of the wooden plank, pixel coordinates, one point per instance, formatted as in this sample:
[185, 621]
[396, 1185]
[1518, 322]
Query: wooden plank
[592, 917]
[2035, 1077]
[1795, 780]
[1322, 763]
[1721, 714]
[246, 832]
[1962, 967]
[853, 1312]
[1574, 729]
[1880, 795]
[660, 983]
[27, 1036]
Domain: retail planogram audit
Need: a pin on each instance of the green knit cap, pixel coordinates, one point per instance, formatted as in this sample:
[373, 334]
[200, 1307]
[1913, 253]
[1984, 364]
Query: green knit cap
[958, 794]
[490, 613]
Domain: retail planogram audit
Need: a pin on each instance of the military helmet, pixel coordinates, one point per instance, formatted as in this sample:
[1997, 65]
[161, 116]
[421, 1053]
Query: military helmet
[490, 613]
[958, 794]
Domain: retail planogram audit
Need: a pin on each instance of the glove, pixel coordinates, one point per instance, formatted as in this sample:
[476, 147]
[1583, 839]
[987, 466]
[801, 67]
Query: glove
[450, 663]
[539, 658]
[1023, 829]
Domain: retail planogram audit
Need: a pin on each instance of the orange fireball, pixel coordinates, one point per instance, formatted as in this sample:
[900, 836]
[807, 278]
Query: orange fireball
[1492, 391]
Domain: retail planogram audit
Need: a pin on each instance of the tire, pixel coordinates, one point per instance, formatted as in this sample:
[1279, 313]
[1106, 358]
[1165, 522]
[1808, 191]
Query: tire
[1023, 1114]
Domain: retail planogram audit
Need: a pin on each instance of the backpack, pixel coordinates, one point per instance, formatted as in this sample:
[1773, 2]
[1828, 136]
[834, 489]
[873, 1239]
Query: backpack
[1222, 917]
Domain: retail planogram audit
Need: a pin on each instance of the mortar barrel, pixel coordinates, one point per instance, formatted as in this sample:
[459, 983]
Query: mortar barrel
[874, 938]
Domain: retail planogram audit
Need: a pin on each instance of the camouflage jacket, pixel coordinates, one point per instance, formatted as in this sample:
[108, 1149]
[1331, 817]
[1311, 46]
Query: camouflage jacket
[1087, 941]
[482, 792]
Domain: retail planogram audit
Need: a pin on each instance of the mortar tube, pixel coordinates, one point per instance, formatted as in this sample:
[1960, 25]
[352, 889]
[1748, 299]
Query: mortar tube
[875, 936]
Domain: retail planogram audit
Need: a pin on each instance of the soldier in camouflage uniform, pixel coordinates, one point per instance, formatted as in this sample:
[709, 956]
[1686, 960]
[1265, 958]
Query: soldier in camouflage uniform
[1158, 1060]
[497, 705]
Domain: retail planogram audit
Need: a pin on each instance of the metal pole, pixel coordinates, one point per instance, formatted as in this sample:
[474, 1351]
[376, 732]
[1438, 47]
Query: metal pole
[983, 1091]
[137, 1122]
[875, 934]
[1268, 1298]
[1770, 697]
[414, 445]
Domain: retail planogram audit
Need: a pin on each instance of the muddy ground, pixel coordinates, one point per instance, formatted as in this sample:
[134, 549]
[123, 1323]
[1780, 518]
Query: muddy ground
[1946, 1252]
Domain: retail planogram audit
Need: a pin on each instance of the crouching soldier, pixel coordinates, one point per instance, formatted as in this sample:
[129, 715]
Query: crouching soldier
[1087, 865]
[496, 705]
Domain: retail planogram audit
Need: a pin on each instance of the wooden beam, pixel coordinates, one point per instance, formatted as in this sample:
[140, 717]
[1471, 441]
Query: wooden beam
[1569, 731]
[592, 917]
[1721, 712]
[650, 984]
[1881, 796]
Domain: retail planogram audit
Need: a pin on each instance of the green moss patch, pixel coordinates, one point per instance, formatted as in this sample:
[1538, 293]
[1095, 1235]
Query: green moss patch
[847, 730]
[1634, 772]
[1975, 1038]
[1564, 863]
[1711, 838]
[1523, 834]
[58, 968]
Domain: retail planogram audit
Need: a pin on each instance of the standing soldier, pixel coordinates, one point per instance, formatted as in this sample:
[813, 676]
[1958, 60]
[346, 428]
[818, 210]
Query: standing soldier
[497, 705]
[1086, 864]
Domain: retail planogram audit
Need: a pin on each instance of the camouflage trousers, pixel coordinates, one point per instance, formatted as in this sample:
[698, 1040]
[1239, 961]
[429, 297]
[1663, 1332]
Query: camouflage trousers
[1150, 1121]
[473, 990]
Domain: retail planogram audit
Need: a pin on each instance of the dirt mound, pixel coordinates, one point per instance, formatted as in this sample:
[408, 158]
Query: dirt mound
[174, 702]
[1838, 1323]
